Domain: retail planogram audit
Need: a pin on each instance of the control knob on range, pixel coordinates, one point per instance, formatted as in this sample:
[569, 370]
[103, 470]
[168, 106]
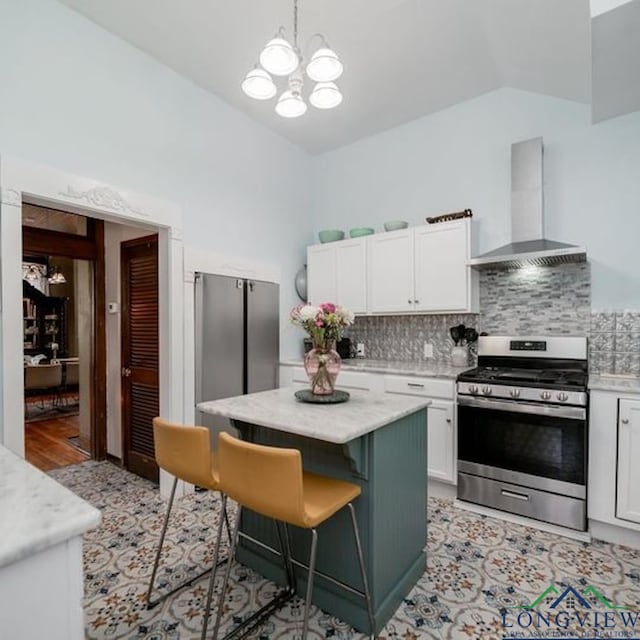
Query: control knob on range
[514, 393]
[473, 389]
[486, 390]
[545, 395]
[562, 396]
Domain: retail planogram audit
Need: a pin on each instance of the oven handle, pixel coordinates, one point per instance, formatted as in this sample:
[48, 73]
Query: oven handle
[572, 413]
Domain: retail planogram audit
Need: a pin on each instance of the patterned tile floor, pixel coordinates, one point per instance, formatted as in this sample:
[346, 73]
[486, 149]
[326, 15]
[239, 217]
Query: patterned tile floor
[477, 567]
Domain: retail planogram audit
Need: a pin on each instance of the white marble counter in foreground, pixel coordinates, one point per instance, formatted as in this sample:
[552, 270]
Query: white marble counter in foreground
[37, 512]
[364, 412]
[395, 367]
[620, 384]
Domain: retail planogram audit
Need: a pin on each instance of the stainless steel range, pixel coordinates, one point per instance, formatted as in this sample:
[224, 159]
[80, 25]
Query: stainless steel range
[522, 428]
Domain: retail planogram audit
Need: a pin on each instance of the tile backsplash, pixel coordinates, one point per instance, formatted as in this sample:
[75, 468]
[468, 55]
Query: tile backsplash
[542, 300]
[552, 300]
[615, 342]
[403, 337]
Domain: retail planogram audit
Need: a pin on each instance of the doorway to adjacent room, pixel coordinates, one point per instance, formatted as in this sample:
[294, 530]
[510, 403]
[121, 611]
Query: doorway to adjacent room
[63, 307]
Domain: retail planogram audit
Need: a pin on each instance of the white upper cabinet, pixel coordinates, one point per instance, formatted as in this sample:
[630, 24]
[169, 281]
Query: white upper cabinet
[391, 272]
[441, 273]
[418, 270]
[628, 502]
[337, 272]
[351, 274]
[321, 273]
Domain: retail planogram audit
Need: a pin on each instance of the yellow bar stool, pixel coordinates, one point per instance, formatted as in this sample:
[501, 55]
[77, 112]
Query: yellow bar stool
[184, 451]
[270, 481]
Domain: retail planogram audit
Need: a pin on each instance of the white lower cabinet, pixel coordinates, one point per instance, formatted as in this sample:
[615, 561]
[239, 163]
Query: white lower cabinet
[441, 453]
[346, 380]
[628, 494]
[441, 431]
[613, 491]
[441, 426]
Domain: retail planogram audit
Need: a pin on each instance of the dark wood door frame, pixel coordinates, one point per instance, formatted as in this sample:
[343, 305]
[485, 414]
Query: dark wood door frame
[90, 247]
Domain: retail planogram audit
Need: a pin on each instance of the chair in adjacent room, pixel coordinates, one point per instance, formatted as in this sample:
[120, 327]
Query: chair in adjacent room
[270, 481]
[185, 452]
[44, 380]
[71, 382]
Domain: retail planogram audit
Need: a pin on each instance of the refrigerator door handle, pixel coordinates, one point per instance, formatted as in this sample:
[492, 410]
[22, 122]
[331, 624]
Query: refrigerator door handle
[198, 317]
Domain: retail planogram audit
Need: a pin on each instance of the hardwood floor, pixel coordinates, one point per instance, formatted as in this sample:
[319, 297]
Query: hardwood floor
[46, 443]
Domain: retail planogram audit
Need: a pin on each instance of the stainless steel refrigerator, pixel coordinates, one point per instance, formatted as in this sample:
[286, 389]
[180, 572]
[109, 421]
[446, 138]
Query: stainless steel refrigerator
[237, 340]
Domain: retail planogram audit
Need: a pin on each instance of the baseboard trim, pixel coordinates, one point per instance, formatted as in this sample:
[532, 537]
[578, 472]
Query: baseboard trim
[438, 489]
[614, 534]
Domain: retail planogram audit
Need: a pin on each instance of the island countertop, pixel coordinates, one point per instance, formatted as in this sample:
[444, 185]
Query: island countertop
[278, 409]
[37, 512]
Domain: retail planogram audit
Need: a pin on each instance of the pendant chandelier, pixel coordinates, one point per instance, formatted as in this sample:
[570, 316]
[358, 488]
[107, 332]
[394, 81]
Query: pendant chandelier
[56, 276]
[281, 58]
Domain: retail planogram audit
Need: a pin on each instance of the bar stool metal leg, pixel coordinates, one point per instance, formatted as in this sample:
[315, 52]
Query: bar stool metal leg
[310, 575]
[285, 549]
[363, 572]
[158, 553]
[216, 551]
[156, 563]
[227, 572]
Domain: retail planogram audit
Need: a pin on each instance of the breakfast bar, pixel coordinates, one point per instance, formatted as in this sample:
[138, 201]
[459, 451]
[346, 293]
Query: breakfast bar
[375, 440]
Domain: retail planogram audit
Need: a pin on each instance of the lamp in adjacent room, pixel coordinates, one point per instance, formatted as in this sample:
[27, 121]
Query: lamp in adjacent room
[56, 276]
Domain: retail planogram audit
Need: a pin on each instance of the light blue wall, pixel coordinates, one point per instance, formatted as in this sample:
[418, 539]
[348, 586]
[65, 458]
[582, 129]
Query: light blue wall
[78, 98]
[460, 158]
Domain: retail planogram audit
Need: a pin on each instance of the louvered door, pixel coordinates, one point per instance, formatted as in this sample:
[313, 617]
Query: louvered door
[140, 390]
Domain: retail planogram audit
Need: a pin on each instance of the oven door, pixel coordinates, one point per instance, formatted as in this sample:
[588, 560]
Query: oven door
[535, 445]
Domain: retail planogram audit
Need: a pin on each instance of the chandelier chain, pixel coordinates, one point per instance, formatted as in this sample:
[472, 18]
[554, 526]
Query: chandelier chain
[295, 24]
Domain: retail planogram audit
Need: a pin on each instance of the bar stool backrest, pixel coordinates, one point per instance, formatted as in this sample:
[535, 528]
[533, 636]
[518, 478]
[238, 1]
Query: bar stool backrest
[184, 451]
[267, 480]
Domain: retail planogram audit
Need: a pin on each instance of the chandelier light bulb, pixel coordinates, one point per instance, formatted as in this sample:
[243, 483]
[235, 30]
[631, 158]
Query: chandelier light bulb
[259, 85]
[324, 65]
[325, 95]
[291, 105]
[279, 58]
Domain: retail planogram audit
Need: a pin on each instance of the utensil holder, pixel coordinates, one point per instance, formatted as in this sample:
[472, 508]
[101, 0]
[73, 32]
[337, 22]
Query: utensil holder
[460, 356]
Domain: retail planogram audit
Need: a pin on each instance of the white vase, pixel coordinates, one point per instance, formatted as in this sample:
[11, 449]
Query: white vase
[460, 356]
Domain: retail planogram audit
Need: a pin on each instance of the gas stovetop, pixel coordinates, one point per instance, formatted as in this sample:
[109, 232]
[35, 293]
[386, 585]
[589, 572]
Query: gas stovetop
[550, 370]
[539, 378]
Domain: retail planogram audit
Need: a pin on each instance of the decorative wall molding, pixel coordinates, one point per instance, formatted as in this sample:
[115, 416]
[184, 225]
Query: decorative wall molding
[11, 197]
[103, 198]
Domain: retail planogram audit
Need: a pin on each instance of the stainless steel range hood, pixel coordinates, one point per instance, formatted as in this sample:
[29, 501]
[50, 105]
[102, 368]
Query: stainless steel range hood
[528, 245]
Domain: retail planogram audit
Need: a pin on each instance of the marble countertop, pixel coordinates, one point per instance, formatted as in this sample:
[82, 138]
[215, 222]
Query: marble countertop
[624, 384]
[395, 367]
[278, 409]
[37, 512]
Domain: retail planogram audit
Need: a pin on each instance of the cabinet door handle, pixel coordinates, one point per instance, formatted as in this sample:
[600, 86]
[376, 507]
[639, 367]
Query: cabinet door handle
[410, 301]
[417, 301]
[625, 421]
[415, 385]
[449, 420]
[513, 494]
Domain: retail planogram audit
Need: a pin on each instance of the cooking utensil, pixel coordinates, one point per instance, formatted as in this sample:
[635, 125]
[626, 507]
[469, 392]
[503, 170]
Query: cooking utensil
[456, 334]
[470, 335]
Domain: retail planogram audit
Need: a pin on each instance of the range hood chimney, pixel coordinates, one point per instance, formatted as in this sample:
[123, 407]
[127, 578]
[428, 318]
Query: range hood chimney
[528, 245]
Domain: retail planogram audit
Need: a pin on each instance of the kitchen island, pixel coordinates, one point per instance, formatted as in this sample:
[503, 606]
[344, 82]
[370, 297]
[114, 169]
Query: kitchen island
[375, 440]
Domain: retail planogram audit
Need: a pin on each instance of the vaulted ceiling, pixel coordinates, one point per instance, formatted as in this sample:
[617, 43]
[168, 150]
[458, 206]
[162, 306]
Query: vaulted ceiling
[403, 58]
